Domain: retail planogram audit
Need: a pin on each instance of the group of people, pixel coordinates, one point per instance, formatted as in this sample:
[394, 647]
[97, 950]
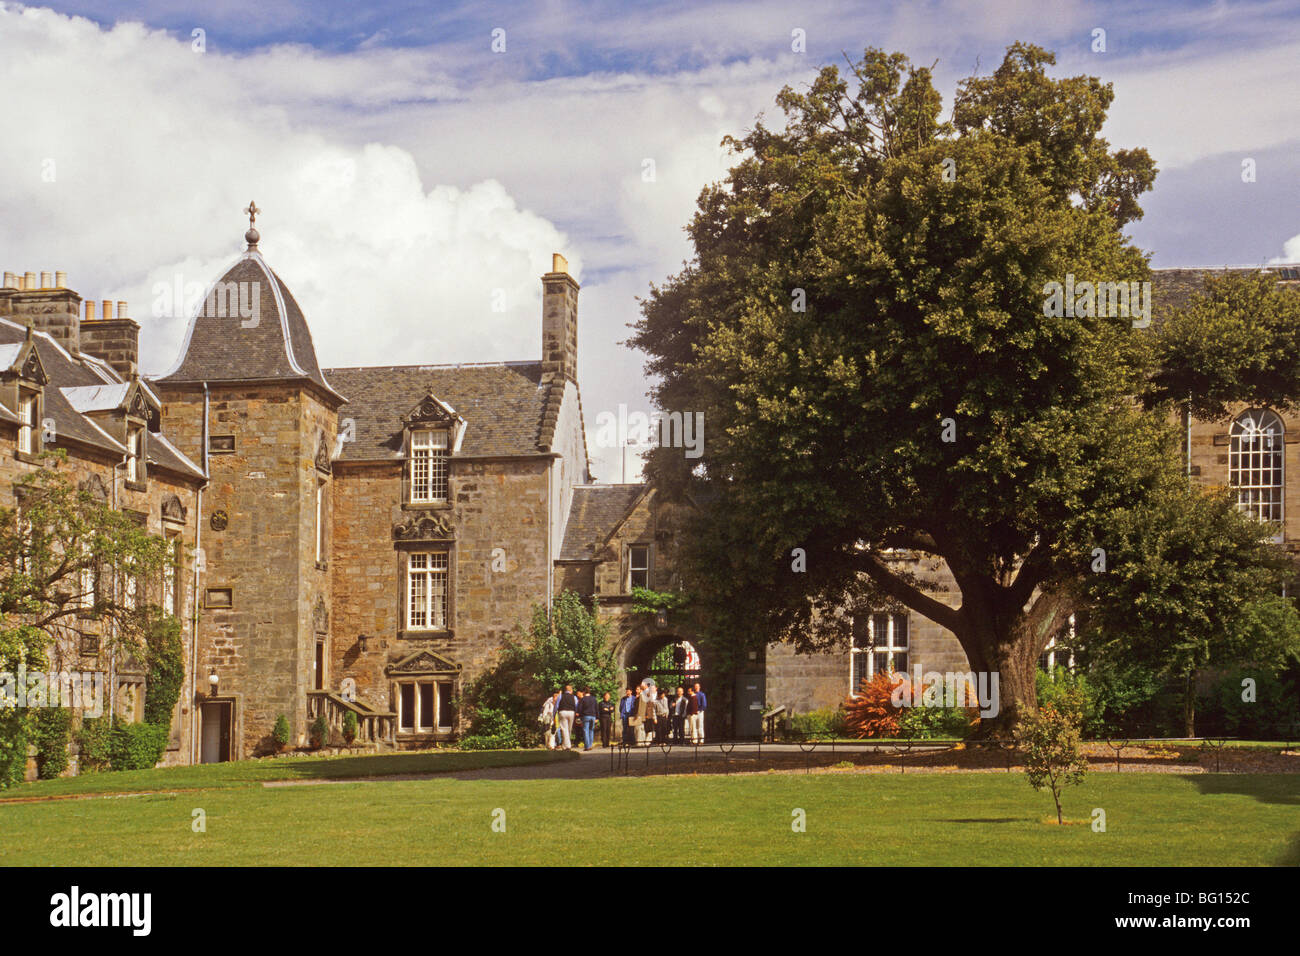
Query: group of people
[647, 716]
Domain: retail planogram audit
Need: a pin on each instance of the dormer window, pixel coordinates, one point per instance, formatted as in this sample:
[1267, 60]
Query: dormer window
[429, 465]
[29, 409]
[135, 454]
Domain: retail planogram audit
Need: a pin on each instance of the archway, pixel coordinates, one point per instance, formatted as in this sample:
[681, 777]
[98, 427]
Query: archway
[671, 660]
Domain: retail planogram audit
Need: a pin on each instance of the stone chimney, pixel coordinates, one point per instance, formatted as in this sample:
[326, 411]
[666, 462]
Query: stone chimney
[115, 340]
[45, 306]
[560, 321]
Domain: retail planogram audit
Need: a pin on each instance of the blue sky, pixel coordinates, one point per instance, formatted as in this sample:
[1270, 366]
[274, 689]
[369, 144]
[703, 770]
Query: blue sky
[409, 174]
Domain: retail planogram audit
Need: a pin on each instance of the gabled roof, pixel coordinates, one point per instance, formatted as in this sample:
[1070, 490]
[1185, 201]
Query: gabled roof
[594, 514]
[274, 344]
[502, 405]
[88, 383]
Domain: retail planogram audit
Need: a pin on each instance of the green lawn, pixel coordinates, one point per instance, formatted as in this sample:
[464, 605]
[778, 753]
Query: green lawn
[961, 819]
[244, 773]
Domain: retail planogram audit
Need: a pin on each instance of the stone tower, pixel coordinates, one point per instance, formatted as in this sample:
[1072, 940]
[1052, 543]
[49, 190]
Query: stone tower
[248, 399]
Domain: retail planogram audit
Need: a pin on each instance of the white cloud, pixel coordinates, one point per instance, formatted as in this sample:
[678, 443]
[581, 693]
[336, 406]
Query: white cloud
[157, 149]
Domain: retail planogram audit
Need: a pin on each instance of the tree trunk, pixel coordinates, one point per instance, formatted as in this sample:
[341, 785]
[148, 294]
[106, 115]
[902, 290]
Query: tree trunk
[1189, 705]
[1013, 661]
[1008, 642]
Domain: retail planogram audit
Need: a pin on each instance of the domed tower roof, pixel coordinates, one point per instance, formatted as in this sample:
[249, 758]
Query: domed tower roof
[248, 328]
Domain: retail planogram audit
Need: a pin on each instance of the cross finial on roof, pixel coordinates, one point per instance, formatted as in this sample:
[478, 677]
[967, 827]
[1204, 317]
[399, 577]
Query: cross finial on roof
[252, 235]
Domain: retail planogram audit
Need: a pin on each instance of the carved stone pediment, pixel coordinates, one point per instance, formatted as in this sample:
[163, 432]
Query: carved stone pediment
[173, 509]
[138, 408]
[322, 454]
[424, 526]
[95, 487]
[423, 662]
[431, 411]
[32, 370]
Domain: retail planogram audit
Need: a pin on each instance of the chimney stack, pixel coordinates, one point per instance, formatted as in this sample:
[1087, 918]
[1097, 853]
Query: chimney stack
[114, 340]
[34, 300]
[560, 321]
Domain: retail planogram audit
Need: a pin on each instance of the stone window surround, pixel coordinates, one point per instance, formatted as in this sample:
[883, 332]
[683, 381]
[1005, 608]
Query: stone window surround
[649, 564]
[408, 495]
[890, 645]
[434, 679]
[403, 549]
[34, 436]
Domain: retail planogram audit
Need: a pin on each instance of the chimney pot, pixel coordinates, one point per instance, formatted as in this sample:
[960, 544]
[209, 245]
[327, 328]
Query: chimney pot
[90, 310]
[61, 280]
[559, 263]
[121, 310]
[11, 281]
[106, 312]
[46, 282]
[29, 280]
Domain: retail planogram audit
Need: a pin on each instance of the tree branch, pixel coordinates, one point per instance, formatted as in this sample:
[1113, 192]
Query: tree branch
[908, 594]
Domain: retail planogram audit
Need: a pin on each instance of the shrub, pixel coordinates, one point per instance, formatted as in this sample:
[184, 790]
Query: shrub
[137, 746]
[95, 738]
[1223, 711]
[928, 723]
[13, 746]
[165, 667]
[51, 731]
[1050, 741]
[280, 732]
[350, 727]
[821, 724]
[320, 732]
[491, 729]
[872, 713]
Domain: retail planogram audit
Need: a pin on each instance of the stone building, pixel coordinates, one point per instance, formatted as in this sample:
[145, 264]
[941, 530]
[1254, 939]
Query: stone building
[70, 382]
[370, 534]
[359, 540]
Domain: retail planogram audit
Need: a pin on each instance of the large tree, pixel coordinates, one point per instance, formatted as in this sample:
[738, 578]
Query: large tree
[864, 326]
[70, 567]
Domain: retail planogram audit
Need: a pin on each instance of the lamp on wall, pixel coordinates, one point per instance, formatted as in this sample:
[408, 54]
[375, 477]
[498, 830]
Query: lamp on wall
[361, 641]
[213, 680]
[661, 619]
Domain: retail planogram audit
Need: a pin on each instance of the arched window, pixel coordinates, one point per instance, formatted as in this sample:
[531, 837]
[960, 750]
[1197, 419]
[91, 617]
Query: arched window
[1255, 463]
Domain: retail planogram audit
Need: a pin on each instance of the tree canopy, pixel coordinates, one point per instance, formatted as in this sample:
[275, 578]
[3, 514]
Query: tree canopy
[864, 325]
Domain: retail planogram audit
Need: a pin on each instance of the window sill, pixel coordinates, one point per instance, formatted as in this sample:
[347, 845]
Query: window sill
[136, 485]
[426, 505]
[32, 458]
[425, 634]
[322, 565]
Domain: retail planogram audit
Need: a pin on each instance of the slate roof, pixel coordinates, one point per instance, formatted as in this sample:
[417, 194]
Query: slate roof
[505, 406]
[81, 379]
[1172, 288]
[219, 348]
[596, 510]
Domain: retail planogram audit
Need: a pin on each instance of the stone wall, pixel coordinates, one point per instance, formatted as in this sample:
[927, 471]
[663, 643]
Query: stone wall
[256, 548]
[494, 504]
